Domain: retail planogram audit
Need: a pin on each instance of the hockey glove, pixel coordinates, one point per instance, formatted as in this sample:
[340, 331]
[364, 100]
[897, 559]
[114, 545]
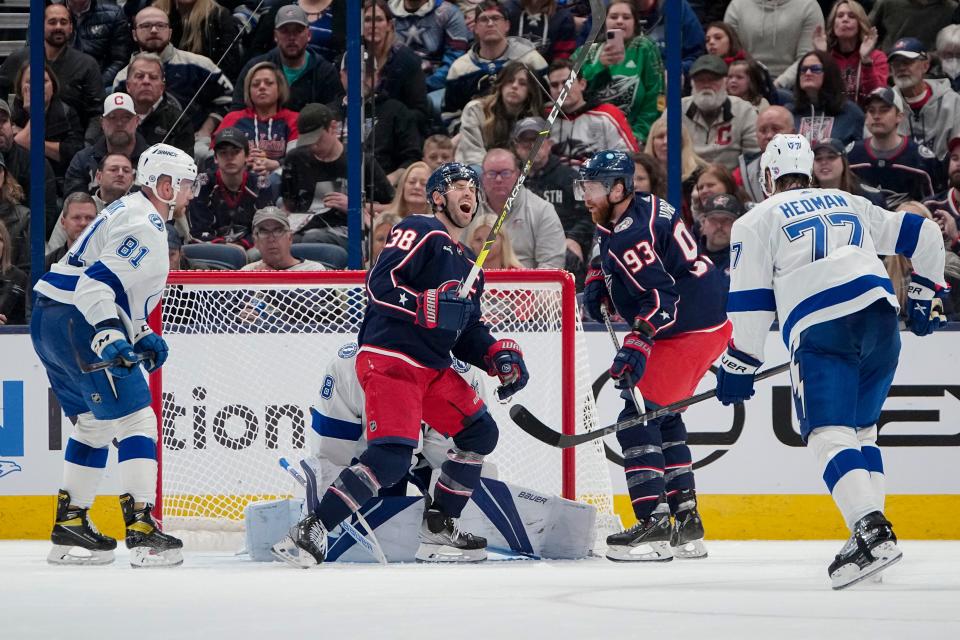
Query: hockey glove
[505, 360]
[631, 360]
[595, 293]
[153, 345]
[445, 310]
[735, 376]
[110, 343]
[925, 314]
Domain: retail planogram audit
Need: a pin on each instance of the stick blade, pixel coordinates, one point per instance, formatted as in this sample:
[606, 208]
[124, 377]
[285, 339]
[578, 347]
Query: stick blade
[532, 425]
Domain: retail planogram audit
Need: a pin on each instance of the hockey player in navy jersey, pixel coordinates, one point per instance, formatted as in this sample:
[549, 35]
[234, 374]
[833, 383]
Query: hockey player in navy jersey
[651, 272]
[93, 307]
[413, 322]
[810, 256]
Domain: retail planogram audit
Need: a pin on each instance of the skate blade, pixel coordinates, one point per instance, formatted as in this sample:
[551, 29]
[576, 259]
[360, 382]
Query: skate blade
[646, 552]
[65, 555]
[692, 550]
[287, 551]
[148, 557]
[440, 553]
[886, 554]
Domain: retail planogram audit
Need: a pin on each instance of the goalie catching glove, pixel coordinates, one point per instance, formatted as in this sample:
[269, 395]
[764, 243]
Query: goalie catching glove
[925, 306]
[505, 360]
[735, 376]
[443, 309]
[110, 343]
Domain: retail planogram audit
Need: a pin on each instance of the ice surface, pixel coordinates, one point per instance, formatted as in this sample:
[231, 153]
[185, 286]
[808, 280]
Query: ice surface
[744, 590]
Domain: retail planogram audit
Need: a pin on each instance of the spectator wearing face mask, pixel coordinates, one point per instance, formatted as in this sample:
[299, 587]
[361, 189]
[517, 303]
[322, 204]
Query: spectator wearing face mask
[722, 127]
[948, 52]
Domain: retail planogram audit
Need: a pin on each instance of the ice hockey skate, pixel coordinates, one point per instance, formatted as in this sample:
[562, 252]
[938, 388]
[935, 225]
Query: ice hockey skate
[686, 537]
[646, 541]
[305, 546]
[441, 540]
[871, 549]
[76, 540]
[149, 546]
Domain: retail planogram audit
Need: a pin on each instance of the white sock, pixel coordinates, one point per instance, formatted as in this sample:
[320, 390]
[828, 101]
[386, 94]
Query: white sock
[845, 472]
[83, 467]
[868, 445]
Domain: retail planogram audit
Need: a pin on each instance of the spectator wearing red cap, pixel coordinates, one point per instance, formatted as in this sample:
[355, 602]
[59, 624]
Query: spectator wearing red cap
[932, 108]
[896, 165]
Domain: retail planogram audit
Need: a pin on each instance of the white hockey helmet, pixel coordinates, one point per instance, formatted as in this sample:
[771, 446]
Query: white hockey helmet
[165, 160]
[787, 154]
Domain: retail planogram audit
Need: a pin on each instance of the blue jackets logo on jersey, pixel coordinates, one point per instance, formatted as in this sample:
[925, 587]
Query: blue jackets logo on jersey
[624, 225]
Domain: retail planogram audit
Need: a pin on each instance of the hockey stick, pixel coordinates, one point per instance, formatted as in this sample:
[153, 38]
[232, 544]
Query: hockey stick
[632, 388]
[598, 13]
[532, 425]
[371, 545]
[116, 362]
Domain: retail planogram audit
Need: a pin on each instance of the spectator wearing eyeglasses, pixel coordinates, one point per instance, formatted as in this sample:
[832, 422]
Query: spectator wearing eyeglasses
[488, 121]
[722, 126]
[588, 126]
[896, 165]
[931, 107]
[626, 73]
[549, 26]
[273, 239]
[820, 106]
[191, 78]
[491, 51]
[83, 88]
[533, 224]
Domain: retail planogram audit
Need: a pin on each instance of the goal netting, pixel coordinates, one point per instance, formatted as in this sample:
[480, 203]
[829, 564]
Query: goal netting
[247, 356]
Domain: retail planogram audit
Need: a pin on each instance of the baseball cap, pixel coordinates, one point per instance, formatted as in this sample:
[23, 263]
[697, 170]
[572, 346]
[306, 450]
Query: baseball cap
[953, 144]
[886, 95]
[710, 63]
[724, 203]
[312, 120]
[116, 101]
[908, 48]
[271, 213]
[291, 14]
[232, 136]
[5, 107]
[834, 144]
[174, 241]
[532, 123]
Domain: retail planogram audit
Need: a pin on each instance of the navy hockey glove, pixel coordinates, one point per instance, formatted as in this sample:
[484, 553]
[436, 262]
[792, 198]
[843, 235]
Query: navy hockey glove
[505, 360]
[631, 360]
[153, 345]
[438, 309]
[735, 376]
[110, 343]
[595, 293]
[925, 313]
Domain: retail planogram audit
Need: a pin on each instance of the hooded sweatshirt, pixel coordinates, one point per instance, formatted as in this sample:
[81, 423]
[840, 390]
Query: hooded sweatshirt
[937, 121]
[467, 71]
[775, 32]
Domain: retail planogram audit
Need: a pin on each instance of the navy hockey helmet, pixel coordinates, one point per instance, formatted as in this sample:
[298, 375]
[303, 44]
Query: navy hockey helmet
[606, 167]
[443, 177]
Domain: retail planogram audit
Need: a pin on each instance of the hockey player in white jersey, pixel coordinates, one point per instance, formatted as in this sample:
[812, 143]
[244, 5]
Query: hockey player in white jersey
[92, 308]
[810, 256]
[336, 436]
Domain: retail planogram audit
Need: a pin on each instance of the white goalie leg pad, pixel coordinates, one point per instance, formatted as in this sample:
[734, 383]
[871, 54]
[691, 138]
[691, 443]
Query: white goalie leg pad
[868, 445]
[81, 480]
[845, 471]
[137, 438]
[267, 523]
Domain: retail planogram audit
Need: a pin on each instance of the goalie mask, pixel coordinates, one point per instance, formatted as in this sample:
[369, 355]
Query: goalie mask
[786, 154]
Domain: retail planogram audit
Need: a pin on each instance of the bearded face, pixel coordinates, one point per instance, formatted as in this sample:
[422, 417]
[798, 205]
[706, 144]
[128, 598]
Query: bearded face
[709, 100]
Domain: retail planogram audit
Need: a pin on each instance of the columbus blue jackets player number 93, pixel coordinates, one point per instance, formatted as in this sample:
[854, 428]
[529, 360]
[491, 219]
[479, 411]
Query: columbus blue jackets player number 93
[93, 306]
[810, 257]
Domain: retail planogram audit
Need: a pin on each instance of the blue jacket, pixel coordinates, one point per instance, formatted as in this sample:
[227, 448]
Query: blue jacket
[103, 33]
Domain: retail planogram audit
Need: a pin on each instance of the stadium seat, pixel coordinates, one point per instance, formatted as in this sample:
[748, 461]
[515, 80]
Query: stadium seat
[330, 255]
[215, 256]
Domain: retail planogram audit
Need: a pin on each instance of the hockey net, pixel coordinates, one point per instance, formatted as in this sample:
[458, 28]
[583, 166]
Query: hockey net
[248, 352]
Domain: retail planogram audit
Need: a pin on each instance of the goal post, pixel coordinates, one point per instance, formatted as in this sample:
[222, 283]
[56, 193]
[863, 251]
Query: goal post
[247, 356]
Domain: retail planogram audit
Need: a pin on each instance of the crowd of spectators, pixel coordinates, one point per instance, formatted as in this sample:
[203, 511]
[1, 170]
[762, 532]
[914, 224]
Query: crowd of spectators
[256, 92]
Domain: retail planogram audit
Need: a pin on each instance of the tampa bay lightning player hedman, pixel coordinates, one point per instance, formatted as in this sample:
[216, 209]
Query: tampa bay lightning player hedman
[810, 256]
[93, 305]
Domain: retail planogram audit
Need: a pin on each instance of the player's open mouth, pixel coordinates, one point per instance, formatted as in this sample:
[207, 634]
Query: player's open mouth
[465, 207]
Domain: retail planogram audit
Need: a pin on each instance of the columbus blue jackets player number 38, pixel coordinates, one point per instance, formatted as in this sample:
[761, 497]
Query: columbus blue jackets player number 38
[810, 255]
